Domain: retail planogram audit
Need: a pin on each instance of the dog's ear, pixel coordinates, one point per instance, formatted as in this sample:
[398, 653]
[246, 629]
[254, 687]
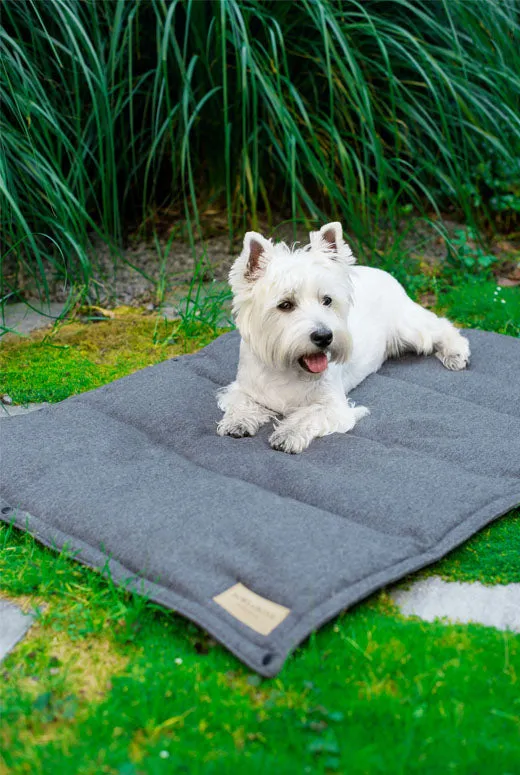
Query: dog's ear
[254, 254]
[331, 235]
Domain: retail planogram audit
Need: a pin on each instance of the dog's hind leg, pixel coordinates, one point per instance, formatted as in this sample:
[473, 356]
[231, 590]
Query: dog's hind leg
[421, 331]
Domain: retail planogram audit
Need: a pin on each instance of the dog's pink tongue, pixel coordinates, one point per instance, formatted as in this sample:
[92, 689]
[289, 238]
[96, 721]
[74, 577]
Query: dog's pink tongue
[316, 363]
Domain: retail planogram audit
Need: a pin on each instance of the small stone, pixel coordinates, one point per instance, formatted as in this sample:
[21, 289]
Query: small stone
[13, 626]
[7, 400]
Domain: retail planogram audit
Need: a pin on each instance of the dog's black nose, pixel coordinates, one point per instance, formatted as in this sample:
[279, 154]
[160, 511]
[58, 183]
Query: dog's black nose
[322, 337]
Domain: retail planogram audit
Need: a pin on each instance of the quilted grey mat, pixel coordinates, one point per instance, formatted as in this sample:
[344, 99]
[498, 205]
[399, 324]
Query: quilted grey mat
[259, 547]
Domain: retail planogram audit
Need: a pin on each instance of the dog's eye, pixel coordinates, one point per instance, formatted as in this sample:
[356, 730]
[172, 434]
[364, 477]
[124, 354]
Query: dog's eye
[327, 301]
[286, 306]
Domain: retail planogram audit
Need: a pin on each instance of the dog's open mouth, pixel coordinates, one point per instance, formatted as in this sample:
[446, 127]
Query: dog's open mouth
[315, 363]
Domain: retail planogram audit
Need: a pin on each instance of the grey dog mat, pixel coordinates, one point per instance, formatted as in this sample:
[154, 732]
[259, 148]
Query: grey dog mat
[259, 547]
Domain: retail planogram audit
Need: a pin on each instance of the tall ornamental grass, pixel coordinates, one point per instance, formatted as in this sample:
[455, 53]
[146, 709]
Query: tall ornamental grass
[314, 109]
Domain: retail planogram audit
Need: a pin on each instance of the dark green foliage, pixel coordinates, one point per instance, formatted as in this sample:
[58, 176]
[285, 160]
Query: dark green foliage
[494, 186]
[468, 257]
[321, 109]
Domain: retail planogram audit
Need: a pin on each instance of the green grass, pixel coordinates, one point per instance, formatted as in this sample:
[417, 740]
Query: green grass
[483, 304]
[371, 692]
[491, 556]
[114, 113]
[107, 681]
[74, 357]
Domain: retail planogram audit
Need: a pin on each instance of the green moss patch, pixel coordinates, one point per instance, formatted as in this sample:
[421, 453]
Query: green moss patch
[74, 357]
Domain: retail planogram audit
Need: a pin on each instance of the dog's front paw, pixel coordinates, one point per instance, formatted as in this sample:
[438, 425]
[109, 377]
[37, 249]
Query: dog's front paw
[288, 441]
[236, 428]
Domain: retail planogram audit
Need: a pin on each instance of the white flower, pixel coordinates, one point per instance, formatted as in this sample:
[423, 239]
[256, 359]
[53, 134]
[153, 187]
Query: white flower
[164, 754]
[178, 661]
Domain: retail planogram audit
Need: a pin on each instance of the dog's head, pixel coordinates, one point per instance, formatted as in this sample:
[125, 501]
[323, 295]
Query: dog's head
[291, 304]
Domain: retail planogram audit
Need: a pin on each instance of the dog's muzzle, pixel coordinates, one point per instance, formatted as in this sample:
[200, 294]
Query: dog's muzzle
[317, 362]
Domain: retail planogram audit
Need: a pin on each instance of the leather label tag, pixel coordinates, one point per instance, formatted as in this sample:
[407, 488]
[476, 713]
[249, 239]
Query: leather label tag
[257, 612]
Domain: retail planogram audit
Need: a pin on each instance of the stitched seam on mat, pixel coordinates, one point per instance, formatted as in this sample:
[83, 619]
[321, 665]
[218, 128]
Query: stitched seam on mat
[426, 551]
[182, 454]
[439, 393]
[415, 541]
[394, 379]
[216, 472]
[428, 455]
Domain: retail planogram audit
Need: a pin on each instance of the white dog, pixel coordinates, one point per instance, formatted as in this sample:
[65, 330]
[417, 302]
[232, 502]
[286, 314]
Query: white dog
[313, 326]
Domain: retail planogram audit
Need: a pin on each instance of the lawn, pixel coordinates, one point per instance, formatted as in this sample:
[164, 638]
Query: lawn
[107, 681]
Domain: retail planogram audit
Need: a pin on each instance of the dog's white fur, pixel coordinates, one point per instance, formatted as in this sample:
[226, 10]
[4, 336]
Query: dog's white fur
[370, 317]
